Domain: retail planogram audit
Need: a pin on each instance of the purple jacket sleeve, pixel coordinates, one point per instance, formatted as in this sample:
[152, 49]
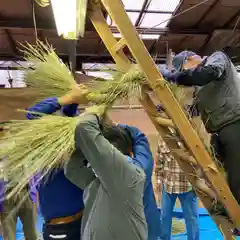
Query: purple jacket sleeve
[33, 184]
[2, 190]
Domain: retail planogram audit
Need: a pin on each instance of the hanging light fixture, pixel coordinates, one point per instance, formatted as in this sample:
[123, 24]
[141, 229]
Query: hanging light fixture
[70, 17]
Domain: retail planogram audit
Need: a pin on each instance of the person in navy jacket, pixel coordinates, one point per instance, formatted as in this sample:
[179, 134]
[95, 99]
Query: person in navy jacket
[60, 201]
[146, 163]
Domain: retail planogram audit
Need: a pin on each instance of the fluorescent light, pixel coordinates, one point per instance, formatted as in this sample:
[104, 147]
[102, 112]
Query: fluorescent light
[70, 17]
[142, 36]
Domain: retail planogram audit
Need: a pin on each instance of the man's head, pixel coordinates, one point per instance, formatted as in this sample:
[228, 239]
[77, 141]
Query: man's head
[186, 60]
[119, 137]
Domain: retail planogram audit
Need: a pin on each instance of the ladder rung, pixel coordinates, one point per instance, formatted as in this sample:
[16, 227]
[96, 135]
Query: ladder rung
[119, 45]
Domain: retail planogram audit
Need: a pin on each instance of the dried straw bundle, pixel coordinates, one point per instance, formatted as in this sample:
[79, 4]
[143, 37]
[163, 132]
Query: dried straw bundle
[178, 226]
[49, 75]
[40, 145]
[127, 86]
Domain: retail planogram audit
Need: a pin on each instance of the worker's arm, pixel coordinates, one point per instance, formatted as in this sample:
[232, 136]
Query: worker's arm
[212, 70]
[49, 106]
[110, 165]
[77, 172]
[141, 151]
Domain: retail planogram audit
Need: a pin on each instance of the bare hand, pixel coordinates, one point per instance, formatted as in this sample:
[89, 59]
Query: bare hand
[77, 95]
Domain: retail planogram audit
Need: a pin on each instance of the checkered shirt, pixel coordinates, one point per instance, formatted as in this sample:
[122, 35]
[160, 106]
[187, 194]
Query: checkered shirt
[174, 179]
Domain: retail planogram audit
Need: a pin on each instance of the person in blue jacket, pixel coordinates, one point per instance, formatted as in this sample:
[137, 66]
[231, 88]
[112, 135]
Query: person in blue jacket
[60, 201]
[151, 210]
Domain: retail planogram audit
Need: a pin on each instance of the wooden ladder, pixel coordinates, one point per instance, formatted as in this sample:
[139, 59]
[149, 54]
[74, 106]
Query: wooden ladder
[192, 153]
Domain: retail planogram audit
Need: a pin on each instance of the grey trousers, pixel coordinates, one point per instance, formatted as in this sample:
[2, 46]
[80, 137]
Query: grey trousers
[26, 214]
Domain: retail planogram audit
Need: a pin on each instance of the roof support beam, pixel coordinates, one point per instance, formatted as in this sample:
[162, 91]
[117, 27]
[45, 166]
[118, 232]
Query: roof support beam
[80, 58]
[207, 13]
[72, 44]
[43, 25]
[233, 18]
[165, 31]
[11, 42]
[149, 11]
[139, 19]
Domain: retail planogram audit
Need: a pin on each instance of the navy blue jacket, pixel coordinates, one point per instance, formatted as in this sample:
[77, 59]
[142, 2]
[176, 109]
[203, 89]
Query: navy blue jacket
[146, 162]
[58, 197]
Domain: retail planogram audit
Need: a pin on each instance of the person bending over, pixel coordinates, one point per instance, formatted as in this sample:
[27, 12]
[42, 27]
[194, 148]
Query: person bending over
[113, 185]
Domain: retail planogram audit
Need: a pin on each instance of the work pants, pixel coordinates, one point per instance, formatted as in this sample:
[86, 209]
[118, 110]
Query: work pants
[189, 206]
[68, 231]
[229, 140]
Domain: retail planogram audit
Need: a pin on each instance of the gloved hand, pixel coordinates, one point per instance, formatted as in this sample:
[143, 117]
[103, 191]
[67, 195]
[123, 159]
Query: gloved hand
[163, 70]
[167, 74]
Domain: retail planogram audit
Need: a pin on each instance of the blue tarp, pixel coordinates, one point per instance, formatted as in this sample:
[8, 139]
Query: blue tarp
[208, 229]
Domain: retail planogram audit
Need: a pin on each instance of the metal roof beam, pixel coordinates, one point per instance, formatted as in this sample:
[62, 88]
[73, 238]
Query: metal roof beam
[81, 58]
[144, 7]
[233, 18]
[11, 42]
[44, 25]
[209, 10]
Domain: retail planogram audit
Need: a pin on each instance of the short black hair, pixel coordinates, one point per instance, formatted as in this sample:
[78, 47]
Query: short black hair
[119, 137]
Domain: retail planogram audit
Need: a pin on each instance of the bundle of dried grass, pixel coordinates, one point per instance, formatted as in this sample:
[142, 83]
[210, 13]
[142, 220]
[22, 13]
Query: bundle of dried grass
[48, 74]
[127, 86]
[43, 144]
[50, 77]
[178, 226]
[32, 146]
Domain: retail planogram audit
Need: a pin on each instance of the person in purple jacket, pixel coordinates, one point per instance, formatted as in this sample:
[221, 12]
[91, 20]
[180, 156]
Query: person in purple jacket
[60, 201]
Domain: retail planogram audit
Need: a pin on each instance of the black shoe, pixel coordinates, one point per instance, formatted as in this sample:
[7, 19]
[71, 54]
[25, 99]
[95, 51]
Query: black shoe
[236, 232]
